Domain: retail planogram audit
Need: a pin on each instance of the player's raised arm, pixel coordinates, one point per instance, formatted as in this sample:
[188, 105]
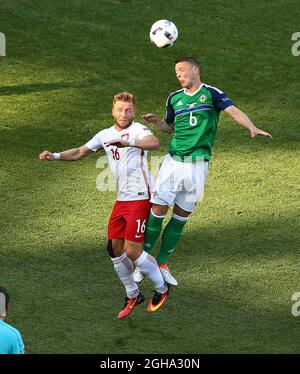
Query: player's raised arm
[74, 154]
[160, 124]
[242, 118]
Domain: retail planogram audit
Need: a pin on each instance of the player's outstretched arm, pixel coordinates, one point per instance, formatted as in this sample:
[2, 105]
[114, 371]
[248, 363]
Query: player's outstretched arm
[242, 118]
[160, 124]
[74, 154]
[149, 142]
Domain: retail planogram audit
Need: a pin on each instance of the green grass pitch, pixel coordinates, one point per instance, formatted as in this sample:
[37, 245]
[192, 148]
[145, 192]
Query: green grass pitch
[238, 262]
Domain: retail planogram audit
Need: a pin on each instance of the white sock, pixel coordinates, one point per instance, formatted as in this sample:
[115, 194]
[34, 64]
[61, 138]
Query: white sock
[124, 268]
[150, 269]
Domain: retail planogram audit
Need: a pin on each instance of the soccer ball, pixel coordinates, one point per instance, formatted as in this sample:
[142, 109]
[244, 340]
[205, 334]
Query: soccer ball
[163, 33]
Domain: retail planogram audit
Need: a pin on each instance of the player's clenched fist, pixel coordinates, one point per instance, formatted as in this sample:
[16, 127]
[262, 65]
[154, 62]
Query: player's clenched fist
[150, 117]
[46, 155]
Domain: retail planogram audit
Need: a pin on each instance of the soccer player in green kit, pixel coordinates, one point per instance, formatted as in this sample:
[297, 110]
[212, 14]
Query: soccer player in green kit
[192, 115]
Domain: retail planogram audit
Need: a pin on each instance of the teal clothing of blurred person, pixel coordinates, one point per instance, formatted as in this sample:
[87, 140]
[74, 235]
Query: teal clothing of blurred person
[11, 341]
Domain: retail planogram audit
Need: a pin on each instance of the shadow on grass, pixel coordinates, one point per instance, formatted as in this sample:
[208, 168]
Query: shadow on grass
[71, 299]
[46, 87]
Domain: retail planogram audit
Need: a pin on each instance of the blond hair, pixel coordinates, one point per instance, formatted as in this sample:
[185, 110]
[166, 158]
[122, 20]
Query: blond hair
[124, 96]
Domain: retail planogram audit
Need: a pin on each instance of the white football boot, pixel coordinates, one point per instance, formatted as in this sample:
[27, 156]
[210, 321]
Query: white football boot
[168, 277]
[137, 275]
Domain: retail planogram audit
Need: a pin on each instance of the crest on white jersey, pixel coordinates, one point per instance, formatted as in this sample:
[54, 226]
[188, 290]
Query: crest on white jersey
[125, 136]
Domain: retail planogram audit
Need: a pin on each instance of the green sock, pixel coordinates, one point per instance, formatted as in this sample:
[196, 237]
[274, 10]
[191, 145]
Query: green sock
[171, 235]
[153, 231]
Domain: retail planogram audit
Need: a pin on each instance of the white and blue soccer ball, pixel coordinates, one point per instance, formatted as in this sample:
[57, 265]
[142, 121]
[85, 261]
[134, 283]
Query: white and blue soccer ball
[163, 33]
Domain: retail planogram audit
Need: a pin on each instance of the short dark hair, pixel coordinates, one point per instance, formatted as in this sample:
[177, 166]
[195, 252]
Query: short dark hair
[189, 59]
[6, 294]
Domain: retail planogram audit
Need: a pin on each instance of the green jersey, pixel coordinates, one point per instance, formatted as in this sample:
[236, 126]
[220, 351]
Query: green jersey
[195, 118]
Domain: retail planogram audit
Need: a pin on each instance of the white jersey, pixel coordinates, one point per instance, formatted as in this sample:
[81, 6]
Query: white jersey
[129, 164]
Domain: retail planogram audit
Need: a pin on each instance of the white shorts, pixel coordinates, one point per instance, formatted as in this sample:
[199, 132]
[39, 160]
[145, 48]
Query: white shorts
[180, 183]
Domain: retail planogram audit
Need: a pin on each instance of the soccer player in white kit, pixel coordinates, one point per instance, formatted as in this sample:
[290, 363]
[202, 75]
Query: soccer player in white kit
[126, 144]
